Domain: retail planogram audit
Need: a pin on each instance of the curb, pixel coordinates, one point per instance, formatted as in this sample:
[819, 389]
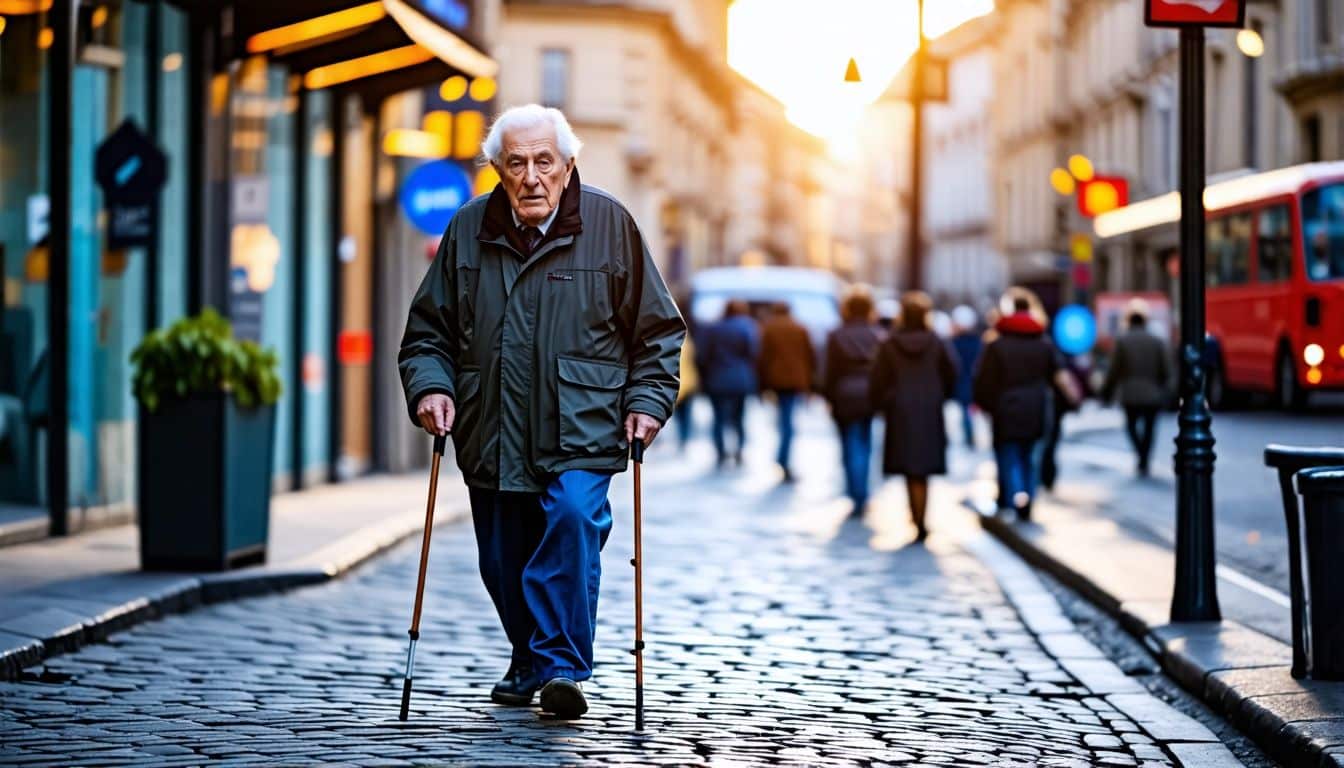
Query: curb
[331, 562]
[1239, 673]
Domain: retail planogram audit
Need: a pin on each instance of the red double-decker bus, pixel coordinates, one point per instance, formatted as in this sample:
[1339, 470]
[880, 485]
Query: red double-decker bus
[1274, 270]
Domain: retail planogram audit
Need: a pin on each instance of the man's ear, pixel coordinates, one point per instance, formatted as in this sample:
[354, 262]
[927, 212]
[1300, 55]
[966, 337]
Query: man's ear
[569, 170]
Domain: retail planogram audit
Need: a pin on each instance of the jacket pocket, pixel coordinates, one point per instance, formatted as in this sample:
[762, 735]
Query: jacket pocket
[466, 423]
[589, 398]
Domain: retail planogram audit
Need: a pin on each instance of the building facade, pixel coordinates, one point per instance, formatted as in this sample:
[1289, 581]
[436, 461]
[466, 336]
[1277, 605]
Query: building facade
[963, 264]
[1086, 77]
[645, 83]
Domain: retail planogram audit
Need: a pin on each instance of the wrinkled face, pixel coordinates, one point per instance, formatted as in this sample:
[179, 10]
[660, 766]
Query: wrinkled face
[533, 172]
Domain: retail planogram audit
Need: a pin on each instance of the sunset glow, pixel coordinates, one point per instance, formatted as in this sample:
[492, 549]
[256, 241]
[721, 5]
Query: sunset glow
[797, 51]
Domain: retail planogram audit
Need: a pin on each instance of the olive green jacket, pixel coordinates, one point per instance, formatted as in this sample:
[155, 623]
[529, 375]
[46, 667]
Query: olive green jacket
[543, 355]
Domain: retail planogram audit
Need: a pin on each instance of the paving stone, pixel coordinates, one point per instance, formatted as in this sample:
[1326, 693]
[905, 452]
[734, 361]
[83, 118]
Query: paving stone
[771, 639]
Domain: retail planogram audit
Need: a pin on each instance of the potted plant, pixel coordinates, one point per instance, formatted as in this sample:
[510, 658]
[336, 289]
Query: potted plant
[206, 439]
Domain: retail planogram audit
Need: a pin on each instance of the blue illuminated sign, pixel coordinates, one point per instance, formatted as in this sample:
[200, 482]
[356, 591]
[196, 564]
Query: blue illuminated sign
[454, 13]
[432, 193]
[1075, 330]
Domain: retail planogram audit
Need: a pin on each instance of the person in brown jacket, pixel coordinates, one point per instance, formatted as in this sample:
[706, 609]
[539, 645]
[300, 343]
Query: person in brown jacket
[786, 366]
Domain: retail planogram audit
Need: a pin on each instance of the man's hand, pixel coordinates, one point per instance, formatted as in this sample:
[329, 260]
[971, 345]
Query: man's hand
[435, 413]
[641, 426]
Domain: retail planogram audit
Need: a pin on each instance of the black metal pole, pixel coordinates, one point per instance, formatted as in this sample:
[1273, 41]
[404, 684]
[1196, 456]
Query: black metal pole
[915, 245]
[154, 53]
[299, 318]
[60, 93]
[1195, 597]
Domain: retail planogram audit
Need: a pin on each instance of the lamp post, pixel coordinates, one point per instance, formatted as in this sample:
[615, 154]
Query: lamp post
[1195, 596]
[914, 275]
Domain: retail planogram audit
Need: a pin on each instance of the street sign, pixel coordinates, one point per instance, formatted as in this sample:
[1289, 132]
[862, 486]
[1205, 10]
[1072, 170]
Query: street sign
[1075, 330]
[432, 193]
[1080, 247]
[131, 171]
[1195, 13]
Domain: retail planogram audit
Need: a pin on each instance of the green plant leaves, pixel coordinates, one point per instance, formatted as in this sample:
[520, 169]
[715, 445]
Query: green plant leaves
[200, 355]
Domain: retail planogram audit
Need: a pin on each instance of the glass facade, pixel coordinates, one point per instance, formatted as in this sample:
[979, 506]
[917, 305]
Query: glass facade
[24, 205]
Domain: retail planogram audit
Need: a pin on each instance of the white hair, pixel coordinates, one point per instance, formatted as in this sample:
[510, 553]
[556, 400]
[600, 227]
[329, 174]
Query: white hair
[530, 116]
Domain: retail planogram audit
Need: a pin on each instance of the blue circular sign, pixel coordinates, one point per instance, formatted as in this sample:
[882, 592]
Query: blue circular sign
[432, 193]
[1075, 330]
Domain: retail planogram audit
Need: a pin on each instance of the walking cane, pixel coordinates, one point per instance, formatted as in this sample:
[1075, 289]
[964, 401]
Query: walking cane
[439, 443]
[637, 455]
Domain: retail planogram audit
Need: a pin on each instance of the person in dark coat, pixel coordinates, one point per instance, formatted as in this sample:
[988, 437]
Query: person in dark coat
[1013, 385]
[850, 352]
[787, 369]
[1141, 372]
[545, 341]
[966, 343]
[913, 376]
[727, 366]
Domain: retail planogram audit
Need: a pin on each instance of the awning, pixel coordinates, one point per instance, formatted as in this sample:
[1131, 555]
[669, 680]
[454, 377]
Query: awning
[375, 47]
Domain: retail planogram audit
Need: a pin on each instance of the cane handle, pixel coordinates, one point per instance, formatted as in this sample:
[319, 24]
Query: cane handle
[440, 443]
[637, 450]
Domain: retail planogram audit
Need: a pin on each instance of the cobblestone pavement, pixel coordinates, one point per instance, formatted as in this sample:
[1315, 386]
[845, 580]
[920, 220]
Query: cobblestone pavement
[778, 632]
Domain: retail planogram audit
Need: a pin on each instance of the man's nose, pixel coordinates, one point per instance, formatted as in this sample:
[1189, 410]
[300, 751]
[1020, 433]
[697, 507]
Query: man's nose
[533, 176]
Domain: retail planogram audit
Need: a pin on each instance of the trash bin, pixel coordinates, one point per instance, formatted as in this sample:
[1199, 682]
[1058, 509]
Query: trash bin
[1289, 460]
[1322, 491]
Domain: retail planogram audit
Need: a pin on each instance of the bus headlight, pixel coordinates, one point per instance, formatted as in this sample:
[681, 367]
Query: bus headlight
[1313, 354]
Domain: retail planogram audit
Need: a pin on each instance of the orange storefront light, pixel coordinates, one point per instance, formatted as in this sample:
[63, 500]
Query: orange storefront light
[1102, 194]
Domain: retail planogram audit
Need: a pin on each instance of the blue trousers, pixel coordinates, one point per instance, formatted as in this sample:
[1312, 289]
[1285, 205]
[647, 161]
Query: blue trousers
[786, 400]
[729, 413]
[1016, 461]
[540, 561]
[856, 448]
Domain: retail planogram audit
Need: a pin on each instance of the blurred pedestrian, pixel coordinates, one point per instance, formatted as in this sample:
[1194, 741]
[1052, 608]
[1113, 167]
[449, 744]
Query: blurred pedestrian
[1012, 384]
[541, 421]
[850, 352]
[966, 343]
[787, 365]
[1141, 372]
[729, 350]
[1073, 368]
[913, 376]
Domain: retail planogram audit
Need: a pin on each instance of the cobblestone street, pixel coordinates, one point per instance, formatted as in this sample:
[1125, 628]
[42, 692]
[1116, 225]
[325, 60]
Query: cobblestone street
[778, 632]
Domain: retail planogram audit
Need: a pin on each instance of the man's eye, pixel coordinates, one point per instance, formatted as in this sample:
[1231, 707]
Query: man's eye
[544, 165]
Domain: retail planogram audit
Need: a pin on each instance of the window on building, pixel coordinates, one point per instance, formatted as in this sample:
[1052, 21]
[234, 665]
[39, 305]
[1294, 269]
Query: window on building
[1324, 21]
[1275, 245]
[1311, 139]
[555, 78]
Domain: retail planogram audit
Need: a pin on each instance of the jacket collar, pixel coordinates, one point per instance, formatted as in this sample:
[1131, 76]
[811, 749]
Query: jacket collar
[498, 220]
[1020, 324]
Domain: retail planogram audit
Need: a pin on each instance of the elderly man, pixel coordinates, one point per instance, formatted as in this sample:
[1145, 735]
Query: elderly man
[544, 340]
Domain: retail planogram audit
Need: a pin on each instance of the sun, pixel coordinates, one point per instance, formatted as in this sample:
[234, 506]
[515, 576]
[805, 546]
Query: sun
[797, 51]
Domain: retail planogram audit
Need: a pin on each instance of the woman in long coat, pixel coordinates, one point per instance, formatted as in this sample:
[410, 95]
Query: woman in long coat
[913, 376]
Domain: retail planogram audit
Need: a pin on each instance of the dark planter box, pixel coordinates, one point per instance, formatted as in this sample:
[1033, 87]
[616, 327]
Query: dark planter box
[205, 484]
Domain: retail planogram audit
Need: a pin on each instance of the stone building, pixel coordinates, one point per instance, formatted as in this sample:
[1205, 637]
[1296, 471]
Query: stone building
[646, 84]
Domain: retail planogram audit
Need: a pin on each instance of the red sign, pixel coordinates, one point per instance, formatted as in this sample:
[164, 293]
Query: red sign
[1102, 194]
[1195, 13]
[354, 347]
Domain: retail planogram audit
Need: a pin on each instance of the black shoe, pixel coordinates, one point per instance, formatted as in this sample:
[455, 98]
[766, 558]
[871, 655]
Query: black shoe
[517, 687]
[563, 698]
[788, 476]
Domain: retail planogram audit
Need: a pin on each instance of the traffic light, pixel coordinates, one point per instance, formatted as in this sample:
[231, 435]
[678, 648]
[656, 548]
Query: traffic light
[1102, 194]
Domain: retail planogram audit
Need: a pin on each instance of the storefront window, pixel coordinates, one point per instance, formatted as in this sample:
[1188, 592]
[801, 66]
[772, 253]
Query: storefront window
[23, 261]
[316, 367]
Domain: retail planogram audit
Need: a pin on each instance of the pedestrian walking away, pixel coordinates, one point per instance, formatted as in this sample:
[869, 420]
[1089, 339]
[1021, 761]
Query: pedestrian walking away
[1140, 374]
[967, 344]
[913, 376]
[544, 339]
[787, 366]
[684, 411]
[729, 350]
[850, 352]
[1013, 385]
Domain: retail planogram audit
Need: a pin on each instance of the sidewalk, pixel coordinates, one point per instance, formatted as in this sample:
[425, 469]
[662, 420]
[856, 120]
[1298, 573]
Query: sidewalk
[1239, 666]
[61, 593]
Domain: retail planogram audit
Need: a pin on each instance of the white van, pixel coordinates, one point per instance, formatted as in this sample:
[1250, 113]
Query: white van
[813, 295]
